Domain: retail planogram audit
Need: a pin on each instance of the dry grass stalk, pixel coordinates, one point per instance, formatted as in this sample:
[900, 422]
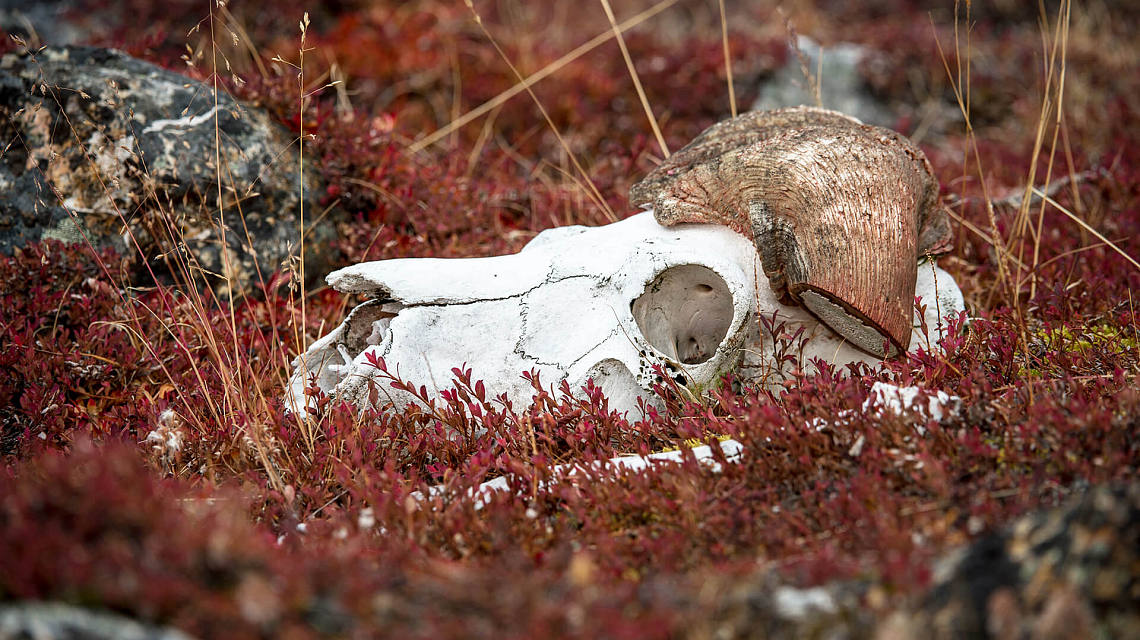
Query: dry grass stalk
[593, 192]
[531, 80]
[636, 79]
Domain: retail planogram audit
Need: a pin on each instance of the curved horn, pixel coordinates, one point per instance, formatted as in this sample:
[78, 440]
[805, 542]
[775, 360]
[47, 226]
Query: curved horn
[839, 211]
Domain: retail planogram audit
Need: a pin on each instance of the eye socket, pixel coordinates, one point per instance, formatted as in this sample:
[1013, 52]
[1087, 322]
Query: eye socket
[685, 312]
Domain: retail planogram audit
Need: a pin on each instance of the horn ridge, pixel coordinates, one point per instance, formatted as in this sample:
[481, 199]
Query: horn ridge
[834, 207]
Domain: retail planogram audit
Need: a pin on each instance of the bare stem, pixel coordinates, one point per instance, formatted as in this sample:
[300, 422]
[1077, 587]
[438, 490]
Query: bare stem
[553, 67]
[593, 191]
[636, 79]
[727, 60]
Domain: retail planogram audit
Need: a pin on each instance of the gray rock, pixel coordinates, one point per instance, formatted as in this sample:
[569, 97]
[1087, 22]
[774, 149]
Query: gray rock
[54, 621]
[842, 87]
[42, 21]
[111, 138]
[1072, 571]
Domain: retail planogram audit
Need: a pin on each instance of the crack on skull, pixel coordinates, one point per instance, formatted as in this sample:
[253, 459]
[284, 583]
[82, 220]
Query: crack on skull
[702, 348]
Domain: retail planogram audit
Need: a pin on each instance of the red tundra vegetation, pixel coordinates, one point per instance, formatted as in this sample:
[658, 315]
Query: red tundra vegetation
[150, 468]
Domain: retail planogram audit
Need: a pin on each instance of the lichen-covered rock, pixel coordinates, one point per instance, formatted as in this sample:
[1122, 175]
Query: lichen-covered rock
[1069, 572]
[1072, 572]
[110, 139]
[55, 621]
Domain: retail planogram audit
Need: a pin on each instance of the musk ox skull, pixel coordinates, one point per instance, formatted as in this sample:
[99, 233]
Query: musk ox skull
[577, 303]
[767, 223]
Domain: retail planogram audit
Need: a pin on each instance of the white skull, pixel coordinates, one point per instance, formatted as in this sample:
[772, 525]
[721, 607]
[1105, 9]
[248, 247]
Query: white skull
[578, 303]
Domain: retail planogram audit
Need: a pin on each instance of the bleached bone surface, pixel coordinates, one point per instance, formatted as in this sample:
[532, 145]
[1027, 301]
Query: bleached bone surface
[577, 303]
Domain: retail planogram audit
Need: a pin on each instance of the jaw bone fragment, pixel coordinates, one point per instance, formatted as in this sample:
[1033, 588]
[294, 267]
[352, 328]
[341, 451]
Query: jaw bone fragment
[840, 212]
[577, 303]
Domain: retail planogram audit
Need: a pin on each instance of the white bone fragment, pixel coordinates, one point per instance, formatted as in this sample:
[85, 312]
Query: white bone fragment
[703, 454]
[885, 397]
